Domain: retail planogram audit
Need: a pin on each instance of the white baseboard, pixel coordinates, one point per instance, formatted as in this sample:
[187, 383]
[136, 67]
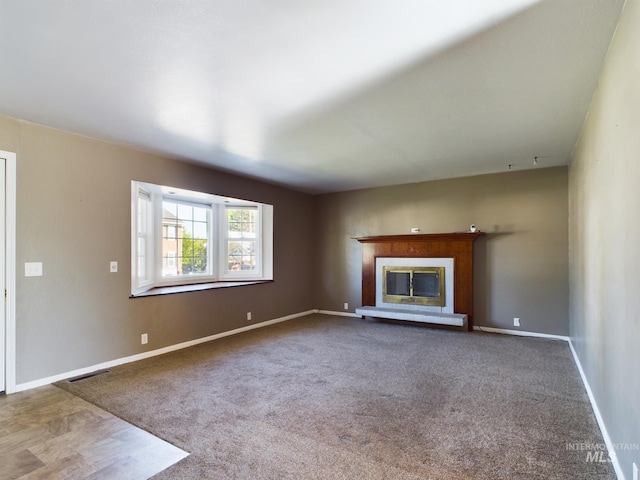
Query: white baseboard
[600, 420]
[520, 333]
[141, 356]
[340, 314]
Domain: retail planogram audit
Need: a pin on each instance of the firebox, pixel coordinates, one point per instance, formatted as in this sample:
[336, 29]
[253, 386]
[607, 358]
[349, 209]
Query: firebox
[414, 285]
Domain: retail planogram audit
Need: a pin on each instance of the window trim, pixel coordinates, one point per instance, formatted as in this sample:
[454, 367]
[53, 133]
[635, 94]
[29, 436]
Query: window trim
[159, 279]
[196, 287]
[224, 272]
[138, 191]
[216, 259]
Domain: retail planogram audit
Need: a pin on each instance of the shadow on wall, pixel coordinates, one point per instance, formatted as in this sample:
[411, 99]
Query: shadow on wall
[482, 274]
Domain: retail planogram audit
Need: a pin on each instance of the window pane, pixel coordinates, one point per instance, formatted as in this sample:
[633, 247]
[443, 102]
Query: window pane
[194, 264]
[169, 264]
[143, 211]
[170, 210]
[241, 255]
[170, 231]
[186, 252]
[248, 248]
[200, 214]
[142, 270]
[200, 264]
[170, 245]
[200, 230]
[185, 212]
[241, 238]
[187, 265]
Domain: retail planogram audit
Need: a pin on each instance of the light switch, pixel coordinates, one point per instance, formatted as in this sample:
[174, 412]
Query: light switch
[113, 267]
[33, 269]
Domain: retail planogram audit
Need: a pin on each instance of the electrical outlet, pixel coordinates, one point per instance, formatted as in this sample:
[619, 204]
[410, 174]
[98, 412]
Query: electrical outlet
[635, 471]
[113, 267]
[346, 306]
[516, 322]
[144, 338]
[415, 229]
[248, 315]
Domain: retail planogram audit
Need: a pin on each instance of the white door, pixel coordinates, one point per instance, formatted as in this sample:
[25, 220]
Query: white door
[3, 296]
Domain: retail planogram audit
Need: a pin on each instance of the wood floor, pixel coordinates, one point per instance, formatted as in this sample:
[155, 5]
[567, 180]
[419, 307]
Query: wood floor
[51, 434]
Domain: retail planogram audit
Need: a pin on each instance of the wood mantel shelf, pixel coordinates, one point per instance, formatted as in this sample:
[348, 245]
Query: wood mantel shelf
[458, 245]
[420, 237]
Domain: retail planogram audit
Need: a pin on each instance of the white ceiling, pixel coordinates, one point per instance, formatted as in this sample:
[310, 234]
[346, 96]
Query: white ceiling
[319, 95]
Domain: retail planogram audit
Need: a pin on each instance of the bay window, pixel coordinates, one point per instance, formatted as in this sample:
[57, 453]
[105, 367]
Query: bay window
[183, 237]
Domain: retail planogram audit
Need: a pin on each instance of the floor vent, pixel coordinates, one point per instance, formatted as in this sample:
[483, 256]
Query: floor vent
[88, 375]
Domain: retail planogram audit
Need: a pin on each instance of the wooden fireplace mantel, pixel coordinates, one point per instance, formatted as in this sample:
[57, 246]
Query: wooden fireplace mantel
[458, 246]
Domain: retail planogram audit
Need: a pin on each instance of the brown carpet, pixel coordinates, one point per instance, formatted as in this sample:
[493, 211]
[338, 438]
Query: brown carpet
[325, 397]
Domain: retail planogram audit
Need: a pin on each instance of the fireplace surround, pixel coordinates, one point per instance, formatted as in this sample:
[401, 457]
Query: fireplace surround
[454, 247]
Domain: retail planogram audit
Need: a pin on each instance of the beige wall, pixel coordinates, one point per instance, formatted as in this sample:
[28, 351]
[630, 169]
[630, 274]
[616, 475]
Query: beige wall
[604, 185]
[521, 264]
[73, 214]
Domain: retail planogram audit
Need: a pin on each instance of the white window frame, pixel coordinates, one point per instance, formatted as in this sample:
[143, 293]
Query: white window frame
[139, 192]
[225, 273]
[159, 279]
[216, 246]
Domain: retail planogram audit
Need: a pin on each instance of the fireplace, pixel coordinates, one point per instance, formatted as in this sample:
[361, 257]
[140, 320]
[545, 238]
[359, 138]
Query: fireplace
[413, 285]
[399, 274]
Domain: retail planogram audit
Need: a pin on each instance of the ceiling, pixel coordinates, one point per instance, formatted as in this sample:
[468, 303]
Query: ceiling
[318, 95]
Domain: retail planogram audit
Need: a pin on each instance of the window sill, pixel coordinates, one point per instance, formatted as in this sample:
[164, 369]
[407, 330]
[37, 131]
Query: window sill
[197, 287]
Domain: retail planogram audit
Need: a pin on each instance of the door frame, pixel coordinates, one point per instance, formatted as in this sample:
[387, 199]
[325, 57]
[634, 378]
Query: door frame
[10, 271]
